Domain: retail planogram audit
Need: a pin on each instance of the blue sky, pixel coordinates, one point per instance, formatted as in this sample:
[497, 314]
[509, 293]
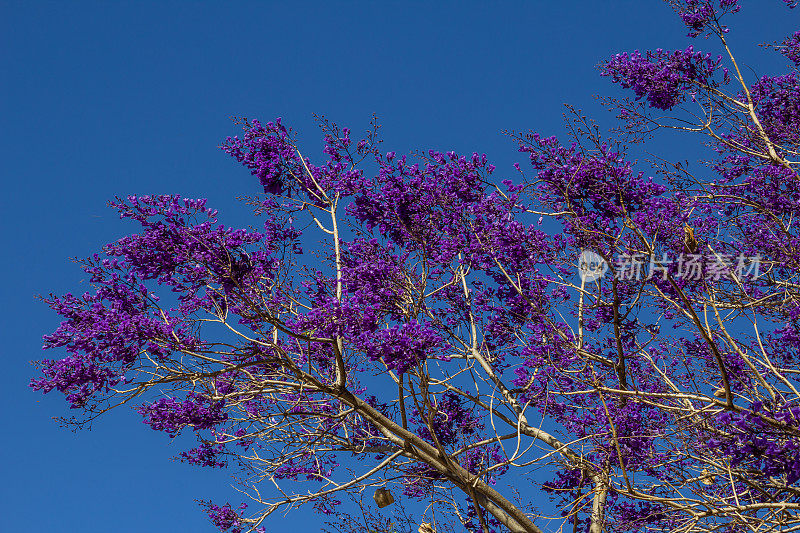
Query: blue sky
[114, 98]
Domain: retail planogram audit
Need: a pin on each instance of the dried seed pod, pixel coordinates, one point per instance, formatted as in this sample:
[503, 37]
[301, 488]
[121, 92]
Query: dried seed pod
[425, 527]
[689, 242]
[708, 478]
[383, 497]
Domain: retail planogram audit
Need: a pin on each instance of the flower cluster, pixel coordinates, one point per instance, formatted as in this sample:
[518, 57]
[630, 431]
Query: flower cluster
[184, 255]
[105, 332]
[790, 47]
[470, 521]
[751, 440]
[451, 420]
[308, 465]
[413, 204]
[664, 78]
[225, 518]
[484, 458]
[592, 190]
[270, 154]
[169, 415]
[207, 454]
[401, 346]
[698, 14]
[777, 102]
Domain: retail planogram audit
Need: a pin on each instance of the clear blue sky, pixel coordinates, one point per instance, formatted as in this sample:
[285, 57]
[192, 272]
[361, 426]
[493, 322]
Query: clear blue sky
[112, 98]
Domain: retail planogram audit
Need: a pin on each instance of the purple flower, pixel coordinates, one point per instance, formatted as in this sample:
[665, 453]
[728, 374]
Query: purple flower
[664, 78]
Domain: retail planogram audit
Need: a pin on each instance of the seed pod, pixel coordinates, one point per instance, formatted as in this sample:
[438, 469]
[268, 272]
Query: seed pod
[425, 527]
[689, 242]
[383, 497]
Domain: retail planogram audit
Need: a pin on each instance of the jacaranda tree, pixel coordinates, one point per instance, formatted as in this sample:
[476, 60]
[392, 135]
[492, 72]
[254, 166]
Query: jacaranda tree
[423, 325]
